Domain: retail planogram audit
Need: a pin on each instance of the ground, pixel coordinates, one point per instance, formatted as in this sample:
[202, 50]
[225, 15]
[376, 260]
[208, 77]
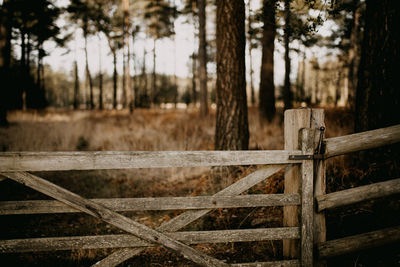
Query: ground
[56, 130]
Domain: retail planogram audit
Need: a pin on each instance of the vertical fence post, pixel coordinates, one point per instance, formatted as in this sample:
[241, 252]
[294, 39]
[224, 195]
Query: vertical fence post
[295, 119]
[306, 140]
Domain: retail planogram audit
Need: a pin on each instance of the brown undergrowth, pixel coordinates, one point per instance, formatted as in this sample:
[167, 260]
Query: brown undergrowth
[155, 130]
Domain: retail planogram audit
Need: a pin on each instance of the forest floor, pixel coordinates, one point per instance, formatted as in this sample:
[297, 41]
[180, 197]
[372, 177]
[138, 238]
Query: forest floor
[158, 129]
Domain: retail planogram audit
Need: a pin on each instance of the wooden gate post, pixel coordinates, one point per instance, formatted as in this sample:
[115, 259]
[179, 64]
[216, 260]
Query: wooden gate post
[296, 119]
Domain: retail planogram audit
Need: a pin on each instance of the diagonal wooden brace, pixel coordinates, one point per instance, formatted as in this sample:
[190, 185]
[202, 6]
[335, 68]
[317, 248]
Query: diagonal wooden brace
[190, 216]
[111, 217]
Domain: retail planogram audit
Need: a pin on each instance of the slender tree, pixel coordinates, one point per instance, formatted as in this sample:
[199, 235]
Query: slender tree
[287, 92]
[203, 58]
[250, 46]
[267, 87]
[232, 132]
[76, 85]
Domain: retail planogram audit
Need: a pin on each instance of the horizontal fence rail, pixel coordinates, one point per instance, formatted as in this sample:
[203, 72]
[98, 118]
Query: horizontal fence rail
[161, 203]
[61, 161]
[358, 242]
[361, 141]
[358, 194]
[130, 241]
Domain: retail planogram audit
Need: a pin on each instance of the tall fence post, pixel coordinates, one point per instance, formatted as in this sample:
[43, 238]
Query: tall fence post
[296, 119]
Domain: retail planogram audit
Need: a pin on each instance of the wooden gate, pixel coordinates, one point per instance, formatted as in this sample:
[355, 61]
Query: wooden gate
[303, 160]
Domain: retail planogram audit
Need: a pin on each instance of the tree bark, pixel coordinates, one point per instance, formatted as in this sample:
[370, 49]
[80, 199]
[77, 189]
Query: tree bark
[5, 56]
[115, 79]
[287, 92]
[127, 84]
[353, 56]
[250, 46]
[76, 86]
[232, 132]
[267, 88]
[378, 95]
[154, 80]
[88, 75]
[203, 58]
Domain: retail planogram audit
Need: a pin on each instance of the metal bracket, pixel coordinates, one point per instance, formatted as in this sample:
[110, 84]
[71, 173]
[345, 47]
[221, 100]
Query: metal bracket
[306, 157]
[319, 152]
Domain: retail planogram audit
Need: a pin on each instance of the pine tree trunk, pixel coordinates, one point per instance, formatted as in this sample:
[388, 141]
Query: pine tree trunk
[378, 94]
[287, 92]
[5, 55]
[115, 78]
[203, 58]
[88, 75]
[232, 132]
[128, 101]
[154, 79]
[250, 46]
[194, 69]
[353, 56]
[267, 88]
[76, 86]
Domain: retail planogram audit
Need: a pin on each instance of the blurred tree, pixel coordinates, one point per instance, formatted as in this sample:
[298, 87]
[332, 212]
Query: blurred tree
[5, 58]
[287, 91]
[76, 85]
[267, 87]
[158, 15]
[232, 132]
[203, 58]
[250, 44]
[81, 12]
[378, 95]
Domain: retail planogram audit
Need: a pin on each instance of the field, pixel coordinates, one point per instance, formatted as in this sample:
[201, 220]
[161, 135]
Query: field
[161, 129]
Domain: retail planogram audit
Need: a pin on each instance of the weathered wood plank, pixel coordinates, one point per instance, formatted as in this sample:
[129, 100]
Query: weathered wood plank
[307, 197]
[295, 119]
[130, 241]
[161, 203]
[361, 141]
[59, 161]
[287, 263]
[358, 242]
[190, 216]
[358, 194]
[112, 217]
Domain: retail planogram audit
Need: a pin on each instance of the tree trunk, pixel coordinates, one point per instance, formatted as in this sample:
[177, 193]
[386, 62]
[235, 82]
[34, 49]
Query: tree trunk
[378, 95]
[127, 76]
[5, 56]
[353, 56]
[287, 92]
[232, 132]
[250, 46]
[154, 79]
[100, 79]
[267, 88]
[194, 69]
[202, 58]
[88, 75]
[115, 78]
[76, 87]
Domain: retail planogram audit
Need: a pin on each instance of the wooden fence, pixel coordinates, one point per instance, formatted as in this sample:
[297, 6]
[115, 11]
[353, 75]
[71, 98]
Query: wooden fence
[303, 160]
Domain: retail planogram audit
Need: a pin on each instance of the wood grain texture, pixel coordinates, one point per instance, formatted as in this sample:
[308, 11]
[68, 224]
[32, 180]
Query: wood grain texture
[161, 203]
[358, 242]
[307, 197]
[61, 161]
[130, 241]
[296, 119]
[287, 263]
[358, 194]
[190, 216]
[111, 217]
[361, 141]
